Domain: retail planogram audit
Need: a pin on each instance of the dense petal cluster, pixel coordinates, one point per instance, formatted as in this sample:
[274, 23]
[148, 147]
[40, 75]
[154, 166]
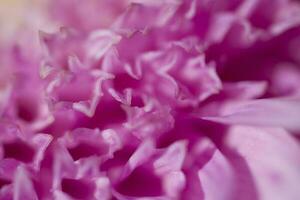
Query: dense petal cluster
[153, 100]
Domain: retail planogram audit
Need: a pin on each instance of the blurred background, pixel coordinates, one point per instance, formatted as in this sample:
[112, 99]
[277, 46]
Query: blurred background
[20, 14]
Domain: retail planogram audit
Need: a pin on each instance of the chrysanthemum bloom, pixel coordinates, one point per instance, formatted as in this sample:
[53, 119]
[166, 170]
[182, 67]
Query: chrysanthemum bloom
[153, 99]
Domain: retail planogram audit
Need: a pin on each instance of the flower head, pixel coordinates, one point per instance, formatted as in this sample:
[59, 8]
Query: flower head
[140, 99]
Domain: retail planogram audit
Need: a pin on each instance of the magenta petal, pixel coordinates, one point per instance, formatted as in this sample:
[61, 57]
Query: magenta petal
[217, 171]
[172, 159]
[272, 156]
[23, 188]
[268, 112]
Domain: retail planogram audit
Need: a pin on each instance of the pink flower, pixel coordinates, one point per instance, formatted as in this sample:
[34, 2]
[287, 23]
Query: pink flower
[140, 99]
